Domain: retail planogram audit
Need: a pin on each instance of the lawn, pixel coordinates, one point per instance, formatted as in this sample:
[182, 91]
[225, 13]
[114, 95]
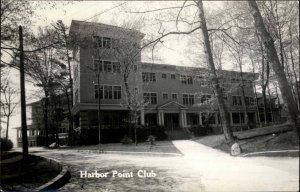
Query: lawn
[256, 140]
[159, 147]
[28, 175]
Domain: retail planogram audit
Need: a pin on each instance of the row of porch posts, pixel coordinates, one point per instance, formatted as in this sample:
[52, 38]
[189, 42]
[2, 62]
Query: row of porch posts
[83, 118]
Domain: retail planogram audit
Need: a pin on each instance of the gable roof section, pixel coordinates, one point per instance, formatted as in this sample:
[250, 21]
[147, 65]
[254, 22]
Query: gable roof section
[171, 105]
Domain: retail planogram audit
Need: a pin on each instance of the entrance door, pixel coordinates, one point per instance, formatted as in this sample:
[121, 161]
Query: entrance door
[171, 121]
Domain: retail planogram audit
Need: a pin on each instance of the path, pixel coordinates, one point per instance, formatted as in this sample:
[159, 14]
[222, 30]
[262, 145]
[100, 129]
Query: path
[221, 171]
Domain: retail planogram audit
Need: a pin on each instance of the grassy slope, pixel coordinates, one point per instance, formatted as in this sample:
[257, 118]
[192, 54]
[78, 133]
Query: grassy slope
[160, 146]
[255, 140]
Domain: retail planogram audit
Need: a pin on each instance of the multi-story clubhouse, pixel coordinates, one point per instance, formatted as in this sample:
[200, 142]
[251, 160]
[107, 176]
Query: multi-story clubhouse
[173, 98]
[176, 97]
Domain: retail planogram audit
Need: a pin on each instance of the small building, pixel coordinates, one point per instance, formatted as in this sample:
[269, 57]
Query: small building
[36, 129]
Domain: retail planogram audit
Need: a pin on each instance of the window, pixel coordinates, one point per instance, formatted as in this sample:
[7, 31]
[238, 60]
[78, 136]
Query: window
[150, 97]
[107, 42]
[188, 99]
[116, 67]
[109, 91]
[183, 79]
[165, 95]
[117, 92]
[97, 41]
[189, 80]
[115, 43]
[205, 98]
[185, 99]
[191, 99]
[174, 96]
[152, 77]
[148, 77]
[236, 100]
[97, 93]
[62, 130]
[164, 76]
[107, 66]
[249, 100]
[145, 77]
[173, 76]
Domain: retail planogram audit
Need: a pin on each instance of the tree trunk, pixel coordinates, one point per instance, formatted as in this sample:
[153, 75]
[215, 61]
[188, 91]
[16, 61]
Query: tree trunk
[257, 108]
[70, 99]
[279, 105]
[245, 110]
[265, 105]
[255, 92]
[7, 126]
[294, 71]
[221, 104]
[70, 118]
[270, 105]
[23, 97]
[264, 82]
[46, 118]
[129, 103]
[277, 68]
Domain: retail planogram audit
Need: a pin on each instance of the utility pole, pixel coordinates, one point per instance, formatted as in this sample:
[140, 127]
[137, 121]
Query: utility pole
[23, 97]
[99, 106]
[99, 99]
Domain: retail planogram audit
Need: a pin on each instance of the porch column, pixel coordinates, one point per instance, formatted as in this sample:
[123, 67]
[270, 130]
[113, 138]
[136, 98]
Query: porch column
[182, 118]
[161, 119]
[200, 118]
[142, 117]
[18, 134]
[231, 121]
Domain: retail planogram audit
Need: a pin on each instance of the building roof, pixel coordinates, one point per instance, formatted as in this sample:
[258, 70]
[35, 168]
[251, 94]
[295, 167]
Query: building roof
[29, 127]
[156, 66]
[75, 27]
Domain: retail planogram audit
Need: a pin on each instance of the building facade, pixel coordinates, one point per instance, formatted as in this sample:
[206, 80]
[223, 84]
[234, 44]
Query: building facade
[36, 128]
[175, 97]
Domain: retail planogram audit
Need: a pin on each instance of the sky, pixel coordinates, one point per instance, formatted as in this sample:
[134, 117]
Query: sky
[173, 51]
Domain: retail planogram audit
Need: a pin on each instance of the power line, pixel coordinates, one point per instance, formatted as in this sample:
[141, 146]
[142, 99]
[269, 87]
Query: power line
[105, 11]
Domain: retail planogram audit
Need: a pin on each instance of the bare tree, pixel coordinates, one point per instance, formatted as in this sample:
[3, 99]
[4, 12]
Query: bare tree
[277, 67]
[8, 102]
[43, 68]
[198, 22]
[65, 56]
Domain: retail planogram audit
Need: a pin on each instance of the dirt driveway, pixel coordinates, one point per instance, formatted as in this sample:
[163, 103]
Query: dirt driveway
[200, 169]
